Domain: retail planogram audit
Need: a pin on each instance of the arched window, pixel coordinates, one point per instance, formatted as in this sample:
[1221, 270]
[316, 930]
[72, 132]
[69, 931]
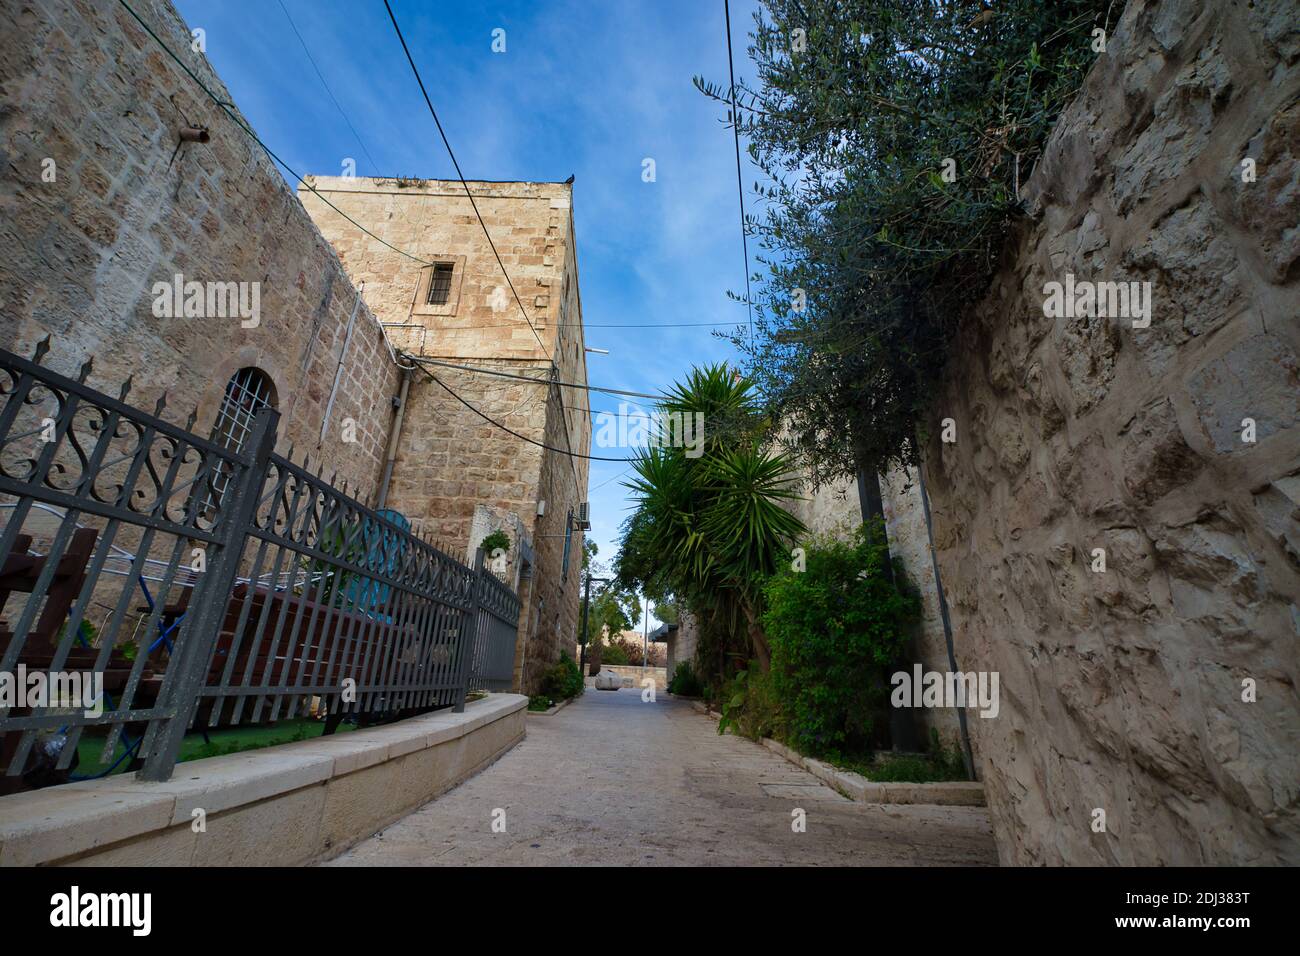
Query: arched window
[248, 392]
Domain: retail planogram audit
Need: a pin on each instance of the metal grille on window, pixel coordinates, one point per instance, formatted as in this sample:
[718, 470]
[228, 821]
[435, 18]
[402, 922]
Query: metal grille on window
[440, 284]
[248, 392]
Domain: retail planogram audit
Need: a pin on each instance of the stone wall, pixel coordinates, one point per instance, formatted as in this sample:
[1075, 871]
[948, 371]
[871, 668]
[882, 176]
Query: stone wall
[634, 675]
[833, 509]
[1123, 690]
[102, 201]
[681, 643]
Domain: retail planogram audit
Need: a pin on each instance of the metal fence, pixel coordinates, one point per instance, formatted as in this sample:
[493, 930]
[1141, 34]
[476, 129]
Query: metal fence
[493, 666]
[200, 586]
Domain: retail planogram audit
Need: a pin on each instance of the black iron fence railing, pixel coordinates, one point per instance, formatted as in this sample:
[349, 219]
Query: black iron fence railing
[158, 582]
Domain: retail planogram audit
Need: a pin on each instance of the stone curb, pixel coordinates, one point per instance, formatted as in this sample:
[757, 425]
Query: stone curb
[553, 710]
[279, 805]
[954, 793]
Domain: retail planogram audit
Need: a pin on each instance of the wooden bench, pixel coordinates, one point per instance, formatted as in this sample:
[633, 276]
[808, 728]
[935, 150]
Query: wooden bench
[20, 573]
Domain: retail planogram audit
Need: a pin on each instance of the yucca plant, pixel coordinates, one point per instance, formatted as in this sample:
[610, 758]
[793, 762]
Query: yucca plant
[711, 528]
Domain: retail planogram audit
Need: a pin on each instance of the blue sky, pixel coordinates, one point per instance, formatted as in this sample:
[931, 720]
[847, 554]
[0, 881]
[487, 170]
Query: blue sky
[585, 88]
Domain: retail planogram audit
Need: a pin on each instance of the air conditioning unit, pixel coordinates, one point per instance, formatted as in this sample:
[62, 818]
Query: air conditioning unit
[584, 517]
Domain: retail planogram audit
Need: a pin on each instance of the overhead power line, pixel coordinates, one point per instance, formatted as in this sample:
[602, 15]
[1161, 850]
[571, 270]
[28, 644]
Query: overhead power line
[639, 325]
[226, 108]
[536, 381]
[330, 93]
[740, 187]
[437, 122]
[608, 481]
[505, 428]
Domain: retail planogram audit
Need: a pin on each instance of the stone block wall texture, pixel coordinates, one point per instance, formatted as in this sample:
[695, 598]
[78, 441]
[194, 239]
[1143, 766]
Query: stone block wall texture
[450, 459]
[83, 86]
[682, 643]
[1122, 690]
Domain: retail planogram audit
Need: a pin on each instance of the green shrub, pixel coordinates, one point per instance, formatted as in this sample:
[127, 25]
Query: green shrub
[496, 540]
[613, 654]
[540, 702]
[750, 706]
[685, 683]
[948, 760]
[939, 763]
[562, 680]
[833, 627]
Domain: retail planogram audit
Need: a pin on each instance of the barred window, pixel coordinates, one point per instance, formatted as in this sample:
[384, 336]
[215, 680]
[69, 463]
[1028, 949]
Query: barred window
[440, 284]
[248, 392]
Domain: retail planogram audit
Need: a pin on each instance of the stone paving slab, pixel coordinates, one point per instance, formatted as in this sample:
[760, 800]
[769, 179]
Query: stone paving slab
[615, 781]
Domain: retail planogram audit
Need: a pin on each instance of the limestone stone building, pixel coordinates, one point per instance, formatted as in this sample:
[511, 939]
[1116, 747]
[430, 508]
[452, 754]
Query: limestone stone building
[436, 284]
[123, 179]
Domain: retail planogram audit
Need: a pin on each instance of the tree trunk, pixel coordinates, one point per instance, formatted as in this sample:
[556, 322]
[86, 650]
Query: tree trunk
[759, 639]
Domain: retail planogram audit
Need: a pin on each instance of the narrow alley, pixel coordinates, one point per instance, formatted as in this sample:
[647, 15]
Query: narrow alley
[612, 780]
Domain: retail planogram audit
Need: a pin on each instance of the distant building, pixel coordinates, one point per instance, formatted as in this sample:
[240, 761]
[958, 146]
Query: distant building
[456, 473]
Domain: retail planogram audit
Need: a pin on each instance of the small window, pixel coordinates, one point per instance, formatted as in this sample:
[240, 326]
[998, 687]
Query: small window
[440, 284]
[438, 290]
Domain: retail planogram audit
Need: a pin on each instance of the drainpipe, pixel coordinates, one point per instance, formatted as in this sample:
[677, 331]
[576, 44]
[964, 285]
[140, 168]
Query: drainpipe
[394, 436]
[902, 727]
[872, 505]
[338, 369]
[967, 754]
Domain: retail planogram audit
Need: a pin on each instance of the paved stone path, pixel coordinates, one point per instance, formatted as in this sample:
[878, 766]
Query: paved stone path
[612, 780]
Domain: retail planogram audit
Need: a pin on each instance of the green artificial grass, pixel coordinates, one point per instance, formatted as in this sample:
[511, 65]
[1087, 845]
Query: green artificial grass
[226, 741]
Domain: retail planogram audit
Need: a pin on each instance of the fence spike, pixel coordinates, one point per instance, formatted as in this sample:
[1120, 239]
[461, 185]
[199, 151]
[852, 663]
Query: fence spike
[86, 367]
[194, 417]
[126, 387]
[42, 347]
[160, 405]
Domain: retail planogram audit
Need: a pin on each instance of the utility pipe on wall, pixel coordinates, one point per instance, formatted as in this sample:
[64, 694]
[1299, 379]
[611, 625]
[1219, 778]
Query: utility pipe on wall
[394, 436]
[968, 756]
[338, 369]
